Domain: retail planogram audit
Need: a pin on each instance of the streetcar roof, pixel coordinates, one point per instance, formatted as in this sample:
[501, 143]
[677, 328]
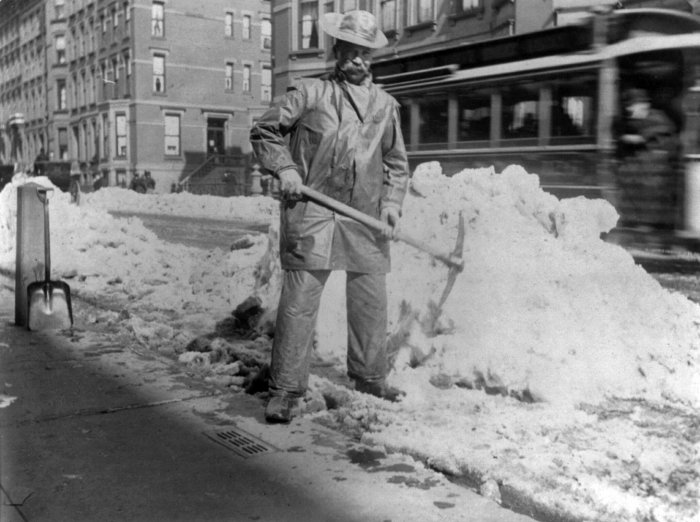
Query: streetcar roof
[581, 59]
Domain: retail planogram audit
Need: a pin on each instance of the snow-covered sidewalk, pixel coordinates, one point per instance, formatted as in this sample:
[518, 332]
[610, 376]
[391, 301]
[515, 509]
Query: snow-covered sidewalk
[558, 370]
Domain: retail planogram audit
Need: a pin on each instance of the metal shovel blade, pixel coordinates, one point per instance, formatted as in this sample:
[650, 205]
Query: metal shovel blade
[49, 306]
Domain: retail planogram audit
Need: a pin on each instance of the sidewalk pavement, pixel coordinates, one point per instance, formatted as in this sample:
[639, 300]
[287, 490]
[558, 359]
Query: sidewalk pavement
[100, 432]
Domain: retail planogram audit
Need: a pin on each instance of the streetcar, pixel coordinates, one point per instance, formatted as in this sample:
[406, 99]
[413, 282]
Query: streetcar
[555, 101]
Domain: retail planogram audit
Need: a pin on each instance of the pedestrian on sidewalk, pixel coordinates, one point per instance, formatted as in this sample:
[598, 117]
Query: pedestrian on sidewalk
[149, 182]
[346, 142]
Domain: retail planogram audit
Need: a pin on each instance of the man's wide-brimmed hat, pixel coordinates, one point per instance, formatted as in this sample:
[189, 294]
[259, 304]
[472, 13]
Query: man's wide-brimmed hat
[357, 27]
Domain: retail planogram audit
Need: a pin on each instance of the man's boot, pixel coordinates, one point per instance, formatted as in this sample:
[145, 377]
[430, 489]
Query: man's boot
[380, 389]
[279, 409]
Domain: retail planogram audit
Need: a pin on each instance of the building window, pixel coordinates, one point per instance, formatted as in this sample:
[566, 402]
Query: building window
[172, 134]
[158, 73]
[228, 24]
[103, 23]
[351, 5]
[91, 35]
[246, 78]
[60, 44]
[245, 32]
[420, 11]
[61, 95]
[157, 20]
[266, 33]
[93, 85]
[389, 18]
[75, 87]
[464, 6]
[115, 18]
[266, 84]
[105, 136]
[63, 143]
[228, 82]
[60, 8]
[121, 135]
[425, 11]
[127, 16]
[308, 24]
[83, 89]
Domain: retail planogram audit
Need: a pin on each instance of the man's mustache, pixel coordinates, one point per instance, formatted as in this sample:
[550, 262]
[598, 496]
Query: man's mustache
[354, 67]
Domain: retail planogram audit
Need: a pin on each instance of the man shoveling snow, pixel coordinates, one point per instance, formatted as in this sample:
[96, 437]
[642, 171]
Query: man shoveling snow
[333, 150]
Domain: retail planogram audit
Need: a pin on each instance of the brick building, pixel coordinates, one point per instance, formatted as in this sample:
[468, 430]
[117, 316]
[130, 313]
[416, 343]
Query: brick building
[124, 86]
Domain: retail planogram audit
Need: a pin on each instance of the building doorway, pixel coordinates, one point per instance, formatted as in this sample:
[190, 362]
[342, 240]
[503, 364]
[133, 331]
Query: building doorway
[216, 142]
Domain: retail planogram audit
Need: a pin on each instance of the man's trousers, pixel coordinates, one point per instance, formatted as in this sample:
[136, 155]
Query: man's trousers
[296, 323]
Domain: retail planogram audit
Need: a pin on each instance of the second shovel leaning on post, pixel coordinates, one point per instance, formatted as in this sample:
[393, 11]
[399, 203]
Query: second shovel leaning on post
[452, 259]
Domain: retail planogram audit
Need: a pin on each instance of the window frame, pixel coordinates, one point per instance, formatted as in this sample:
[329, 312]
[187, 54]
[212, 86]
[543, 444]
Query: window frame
[384, 25]
[157, 19]
[266, 37]
[246, 27]
[266, 74]
[156, 75]
[247, 83]
[178, 135]
[228, 78]
[61, 94]
[228, 24]
[61, 57]
[59, 9]
[477, 6]
[121, 139]
[313, 36]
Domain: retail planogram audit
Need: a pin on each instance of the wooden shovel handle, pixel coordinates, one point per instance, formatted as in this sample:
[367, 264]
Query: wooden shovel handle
[42, 193]
[399, 235]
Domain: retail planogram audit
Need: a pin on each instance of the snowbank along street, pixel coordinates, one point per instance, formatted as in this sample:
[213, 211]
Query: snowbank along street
[557, 368]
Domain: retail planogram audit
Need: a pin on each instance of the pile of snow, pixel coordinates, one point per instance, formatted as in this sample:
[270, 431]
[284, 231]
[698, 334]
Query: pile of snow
[544, 309]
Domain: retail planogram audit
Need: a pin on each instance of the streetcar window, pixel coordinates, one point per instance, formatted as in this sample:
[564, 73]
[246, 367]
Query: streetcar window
[432, 113]
[574, 103]
[520, 113]
[474, 116]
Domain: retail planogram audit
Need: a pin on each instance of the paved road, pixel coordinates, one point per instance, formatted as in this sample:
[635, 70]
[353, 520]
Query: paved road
[197, 232]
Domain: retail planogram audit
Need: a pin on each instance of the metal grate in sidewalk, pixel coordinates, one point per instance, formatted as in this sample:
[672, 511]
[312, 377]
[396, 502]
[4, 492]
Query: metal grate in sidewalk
[241, 442]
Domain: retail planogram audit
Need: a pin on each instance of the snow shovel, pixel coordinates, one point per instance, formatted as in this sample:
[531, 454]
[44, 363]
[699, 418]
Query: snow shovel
[451, 259]
[48, 302]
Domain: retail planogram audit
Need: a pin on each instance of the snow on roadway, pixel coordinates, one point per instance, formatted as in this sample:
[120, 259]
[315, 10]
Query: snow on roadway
[559, 327]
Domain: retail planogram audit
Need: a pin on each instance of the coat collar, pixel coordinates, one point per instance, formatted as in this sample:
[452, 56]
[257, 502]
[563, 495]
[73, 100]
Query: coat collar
[338, 77]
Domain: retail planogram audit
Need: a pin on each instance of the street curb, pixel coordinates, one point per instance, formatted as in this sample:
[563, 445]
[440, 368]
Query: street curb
[516, 500]
[511, 497]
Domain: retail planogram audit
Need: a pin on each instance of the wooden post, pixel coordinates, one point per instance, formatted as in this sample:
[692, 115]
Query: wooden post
[255, 177]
